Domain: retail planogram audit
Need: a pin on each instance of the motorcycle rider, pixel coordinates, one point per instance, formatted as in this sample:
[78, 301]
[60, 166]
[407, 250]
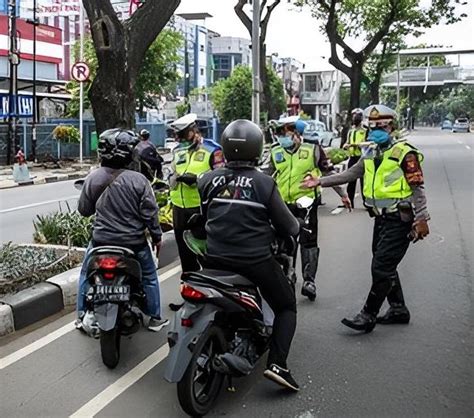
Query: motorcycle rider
[394, 192]
[240, 204]
[124, 206]
[148, 160]
[355, 137]
[291, 161]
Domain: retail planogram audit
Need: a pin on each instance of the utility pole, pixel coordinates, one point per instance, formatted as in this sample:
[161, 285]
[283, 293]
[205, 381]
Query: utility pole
[256, 62]
[81, 85]
[35, 23]
[14, 59]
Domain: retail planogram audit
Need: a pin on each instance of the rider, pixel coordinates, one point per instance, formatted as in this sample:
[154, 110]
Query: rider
[355, 137]
[147, 158]
[125, 208]
[291, 161]
[394, 192]
[240, 205]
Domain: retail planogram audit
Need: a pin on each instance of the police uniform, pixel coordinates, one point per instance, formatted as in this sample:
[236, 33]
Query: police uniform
[356, 136]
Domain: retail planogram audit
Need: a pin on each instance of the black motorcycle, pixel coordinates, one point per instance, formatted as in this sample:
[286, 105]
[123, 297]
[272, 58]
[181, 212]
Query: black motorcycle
[219, 333]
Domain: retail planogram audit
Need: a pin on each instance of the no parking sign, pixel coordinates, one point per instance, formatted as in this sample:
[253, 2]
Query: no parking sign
[80, 72]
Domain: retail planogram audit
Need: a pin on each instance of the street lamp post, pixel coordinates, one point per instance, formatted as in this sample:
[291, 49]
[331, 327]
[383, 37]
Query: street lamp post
[35, 23]
[14, 60]
[256, 62]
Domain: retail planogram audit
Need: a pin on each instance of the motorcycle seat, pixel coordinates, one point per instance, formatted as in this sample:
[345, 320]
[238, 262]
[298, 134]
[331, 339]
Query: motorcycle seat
[224, 278]
[112, 250]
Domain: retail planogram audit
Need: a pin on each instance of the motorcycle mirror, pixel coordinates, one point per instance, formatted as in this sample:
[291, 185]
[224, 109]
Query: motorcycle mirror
[79, 184]
[304, 202]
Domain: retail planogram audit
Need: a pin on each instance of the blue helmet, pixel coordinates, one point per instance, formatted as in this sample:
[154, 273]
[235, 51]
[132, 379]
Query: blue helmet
[300, 126]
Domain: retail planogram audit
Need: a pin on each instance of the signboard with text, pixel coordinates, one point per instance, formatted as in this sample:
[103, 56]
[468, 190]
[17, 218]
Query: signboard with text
[24, 106]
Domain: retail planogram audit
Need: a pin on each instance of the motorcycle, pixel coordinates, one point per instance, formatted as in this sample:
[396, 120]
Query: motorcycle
[221, 331]
[115, 297]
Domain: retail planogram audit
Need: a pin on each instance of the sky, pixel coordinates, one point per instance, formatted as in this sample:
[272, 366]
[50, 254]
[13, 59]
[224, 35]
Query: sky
[293, 33]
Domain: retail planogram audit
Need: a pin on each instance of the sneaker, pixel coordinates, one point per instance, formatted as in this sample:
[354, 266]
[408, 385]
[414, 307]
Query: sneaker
[157, 324]
[282, 377]
[309, 290]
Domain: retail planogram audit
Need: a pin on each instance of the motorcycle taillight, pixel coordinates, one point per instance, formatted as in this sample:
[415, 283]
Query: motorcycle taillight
[190, 293]
[108, 265]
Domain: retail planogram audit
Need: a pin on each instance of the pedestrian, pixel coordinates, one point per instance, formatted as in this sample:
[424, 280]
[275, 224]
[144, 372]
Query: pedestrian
[291, 161]
[146, 157]
[356, 136]
[394, 192]
[193, 156]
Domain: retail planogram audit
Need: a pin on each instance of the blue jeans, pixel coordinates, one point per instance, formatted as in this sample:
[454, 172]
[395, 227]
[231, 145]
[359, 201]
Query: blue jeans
[150, 283]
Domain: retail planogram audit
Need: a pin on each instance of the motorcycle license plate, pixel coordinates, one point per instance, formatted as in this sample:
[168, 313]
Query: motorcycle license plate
[111, 293]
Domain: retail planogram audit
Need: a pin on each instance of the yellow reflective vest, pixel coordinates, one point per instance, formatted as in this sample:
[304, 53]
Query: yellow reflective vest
[355, 137]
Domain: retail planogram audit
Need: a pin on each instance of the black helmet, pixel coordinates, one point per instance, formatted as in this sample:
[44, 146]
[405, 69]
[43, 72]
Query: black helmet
[144, 134]
[116, 146]
[242, 140]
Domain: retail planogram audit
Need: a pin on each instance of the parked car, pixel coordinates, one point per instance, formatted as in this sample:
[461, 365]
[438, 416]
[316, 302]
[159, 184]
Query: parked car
[461, 125]
[316, 132]
[447, 124]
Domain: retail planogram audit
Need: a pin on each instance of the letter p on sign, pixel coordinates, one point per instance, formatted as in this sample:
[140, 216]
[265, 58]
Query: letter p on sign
[80, 72]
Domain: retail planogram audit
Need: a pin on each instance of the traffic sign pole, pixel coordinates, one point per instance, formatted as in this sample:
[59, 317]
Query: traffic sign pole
[81, 97]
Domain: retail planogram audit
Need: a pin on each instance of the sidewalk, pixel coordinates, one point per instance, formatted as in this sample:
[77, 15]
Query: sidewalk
[45, 173]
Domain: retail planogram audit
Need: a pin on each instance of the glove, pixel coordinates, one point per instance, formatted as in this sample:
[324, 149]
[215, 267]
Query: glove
[188, 179]
[420, 230]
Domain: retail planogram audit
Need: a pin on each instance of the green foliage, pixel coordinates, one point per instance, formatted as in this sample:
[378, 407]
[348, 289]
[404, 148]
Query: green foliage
[182, 109]
[337, 155]
[67, 134]
[63, 228]
[158, 74]
[232, 97]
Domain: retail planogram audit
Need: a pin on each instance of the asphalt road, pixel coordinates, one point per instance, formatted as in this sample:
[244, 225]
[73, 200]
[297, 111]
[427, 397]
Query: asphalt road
[421, 369]
[20, 206]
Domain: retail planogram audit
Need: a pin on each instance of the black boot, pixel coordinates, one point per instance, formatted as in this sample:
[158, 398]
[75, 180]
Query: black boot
[363, 321]
[309, 264]
[395, 315]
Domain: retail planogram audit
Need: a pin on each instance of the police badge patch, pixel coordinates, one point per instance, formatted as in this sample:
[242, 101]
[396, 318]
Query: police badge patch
[199, 156]
[279, 157]
[304, 154]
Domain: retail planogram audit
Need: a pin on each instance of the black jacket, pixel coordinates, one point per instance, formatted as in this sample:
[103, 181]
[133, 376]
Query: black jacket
[240, 206]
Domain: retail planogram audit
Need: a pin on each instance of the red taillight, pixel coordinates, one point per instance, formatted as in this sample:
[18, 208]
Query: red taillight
[188, 292]
[108, 263]
[109, 276]
[186, 322]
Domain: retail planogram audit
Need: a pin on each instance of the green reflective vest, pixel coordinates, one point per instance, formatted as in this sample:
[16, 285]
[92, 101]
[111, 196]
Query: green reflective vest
[193, 161]
[385, 185]
[292, 168]
[355, 137]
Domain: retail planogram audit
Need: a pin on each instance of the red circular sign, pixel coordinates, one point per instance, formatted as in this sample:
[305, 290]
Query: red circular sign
[80, 72]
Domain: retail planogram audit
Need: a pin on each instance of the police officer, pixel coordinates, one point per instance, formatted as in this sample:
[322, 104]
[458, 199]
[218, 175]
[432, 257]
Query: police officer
[394, 192]
[240, 206]
[193, 157]
[146, 156]
[355, 137]
[291, 161]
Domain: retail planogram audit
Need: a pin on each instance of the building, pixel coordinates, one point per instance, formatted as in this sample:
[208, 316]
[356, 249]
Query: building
[319, 94]
[288, 69]
[228, 52]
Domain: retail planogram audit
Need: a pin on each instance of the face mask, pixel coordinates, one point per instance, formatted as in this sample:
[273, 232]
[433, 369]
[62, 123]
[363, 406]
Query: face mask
[379, 136]
[286, 141]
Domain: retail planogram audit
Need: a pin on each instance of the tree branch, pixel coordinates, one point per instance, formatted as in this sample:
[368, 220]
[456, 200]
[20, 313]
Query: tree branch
[382, 32]
[266, 19]
[239, 11]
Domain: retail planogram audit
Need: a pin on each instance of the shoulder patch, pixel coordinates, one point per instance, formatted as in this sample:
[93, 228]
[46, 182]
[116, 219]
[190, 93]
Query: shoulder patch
[210, 144]
[279, 157]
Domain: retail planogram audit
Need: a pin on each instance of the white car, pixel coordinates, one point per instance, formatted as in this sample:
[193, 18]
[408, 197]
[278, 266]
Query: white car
[461, 125]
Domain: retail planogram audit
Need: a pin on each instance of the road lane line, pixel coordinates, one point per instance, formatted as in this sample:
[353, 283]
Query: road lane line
[468, 147]
[31, 348]
[49, 338]
[460, 142]
[33, 205]
[99, 402]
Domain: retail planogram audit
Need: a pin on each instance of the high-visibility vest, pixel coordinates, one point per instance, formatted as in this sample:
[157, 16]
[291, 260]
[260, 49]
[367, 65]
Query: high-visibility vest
[355, 137]
[386, 185]
[292, 168]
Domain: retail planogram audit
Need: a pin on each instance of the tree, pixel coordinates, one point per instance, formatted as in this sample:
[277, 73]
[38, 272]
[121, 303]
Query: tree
[232, 97]
[266, 103]
[121, 48]
[373, 21]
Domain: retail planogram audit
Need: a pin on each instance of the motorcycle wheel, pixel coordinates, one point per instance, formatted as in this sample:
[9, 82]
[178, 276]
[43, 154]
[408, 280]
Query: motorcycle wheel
[200, 385]
[110, 347]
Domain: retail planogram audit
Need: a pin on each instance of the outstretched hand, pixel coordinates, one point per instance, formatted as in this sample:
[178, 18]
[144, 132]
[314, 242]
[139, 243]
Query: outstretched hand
[347, 203]
[310, 182]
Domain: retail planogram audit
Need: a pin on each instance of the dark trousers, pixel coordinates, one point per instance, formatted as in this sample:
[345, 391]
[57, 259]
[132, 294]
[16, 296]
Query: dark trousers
[277, 291]
[389, 246]
[189, 261]
[351, 187]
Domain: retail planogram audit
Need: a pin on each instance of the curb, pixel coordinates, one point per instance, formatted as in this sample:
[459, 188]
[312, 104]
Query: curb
[53, 295]
[46, 180]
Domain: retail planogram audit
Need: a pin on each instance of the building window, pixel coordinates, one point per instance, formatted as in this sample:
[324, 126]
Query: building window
[311, 83]
[201, 71]
[201, 48]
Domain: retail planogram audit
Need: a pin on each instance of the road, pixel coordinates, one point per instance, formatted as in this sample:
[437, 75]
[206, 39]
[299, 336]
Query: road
[421, 369]
[20, 206]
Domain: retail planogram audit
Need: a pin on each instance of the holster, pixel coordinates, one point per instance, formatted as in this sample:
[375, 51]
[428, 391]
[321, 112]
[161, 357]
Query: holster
[407, 214]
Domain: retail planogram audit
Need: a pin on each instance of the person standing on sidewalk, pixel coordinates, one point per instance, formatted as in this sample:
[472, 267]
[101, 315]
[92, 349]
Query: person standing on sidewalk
[146, 157]
[394, 192]
[291, 161]
[355, 137]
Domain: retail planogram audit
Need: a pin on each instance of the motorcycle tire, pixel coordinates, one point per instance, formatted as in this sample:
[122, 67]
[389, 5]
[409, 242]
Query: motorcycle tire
[110, 347]
[197, 401]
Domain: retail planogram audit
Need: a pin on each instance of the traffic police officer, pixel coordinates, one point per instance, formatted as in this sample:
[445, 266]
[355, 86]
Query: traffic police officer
[291, 161]
[193, 157]
[394, 192]
[356, 136]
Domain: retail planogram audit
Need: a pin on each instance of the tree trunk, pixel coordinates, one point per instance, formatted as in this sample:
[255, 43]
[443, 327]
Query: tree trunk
[375, 91]
[266, 103]
[356, 82]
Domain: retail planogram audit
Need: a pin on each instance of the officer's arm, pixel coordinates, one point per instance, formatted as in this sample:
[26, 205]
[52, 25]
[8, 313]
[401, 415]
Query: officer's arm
[352, 174]
[414, 176]
[149, 211]
[280, 216]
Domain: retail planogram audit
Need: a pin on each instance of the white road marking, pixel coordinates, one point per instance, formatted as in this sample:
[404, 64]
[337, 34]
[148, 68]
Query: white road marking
[99, 402]
[31, 348]
[337, 211]
[33, 205]
[468, 147]
[42, 342]
[460, 142]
